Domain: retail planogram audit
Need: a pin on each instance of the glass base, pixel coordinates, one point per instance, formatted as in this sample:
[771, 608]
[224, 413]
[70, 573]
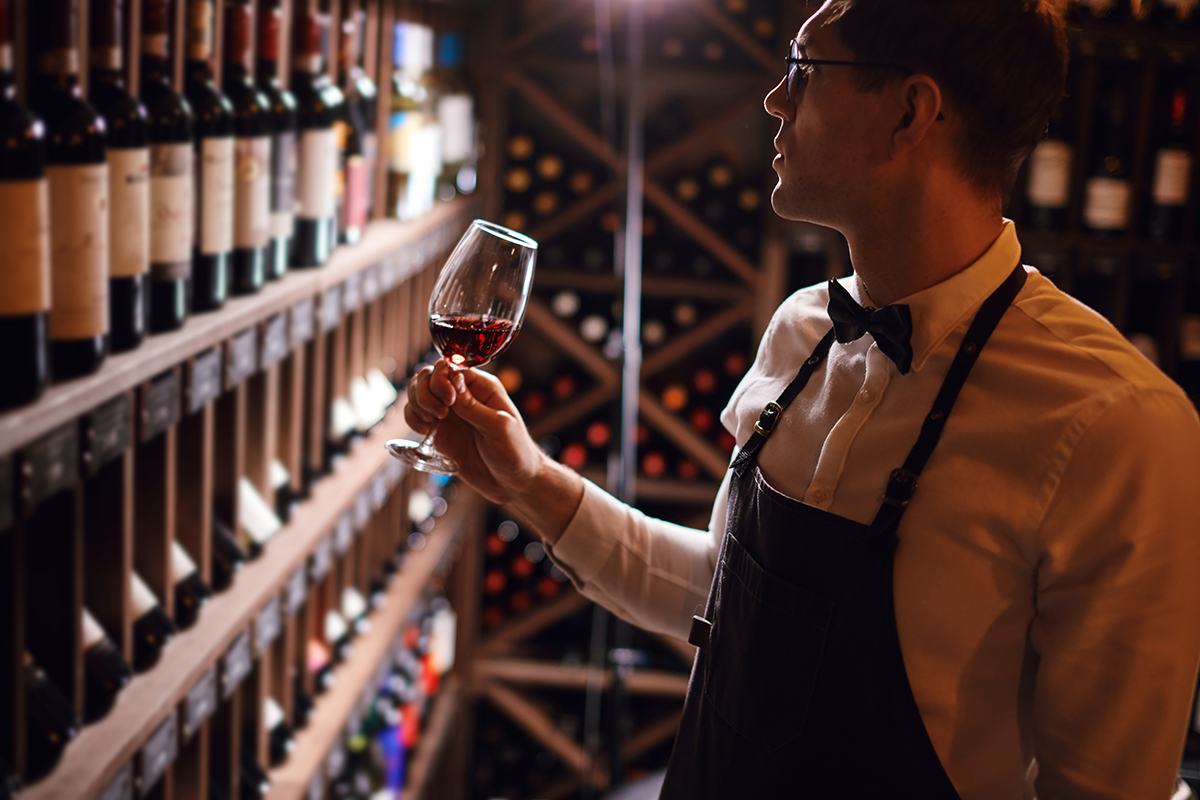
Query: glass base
[420, 459]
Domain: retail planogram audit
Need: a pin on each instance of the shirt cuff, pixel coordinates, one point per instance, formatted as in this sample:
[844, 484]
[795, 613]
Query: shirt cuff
[589, 539]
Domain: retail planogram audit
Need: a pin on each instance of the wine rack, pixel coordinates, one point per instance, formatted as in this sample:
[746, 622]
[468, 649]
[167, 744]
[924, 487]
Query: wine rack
[251, 441]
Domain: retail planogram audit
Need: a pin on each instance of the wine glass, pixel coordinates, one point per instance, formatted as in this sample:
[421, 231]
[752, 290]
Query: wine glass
[475, 312]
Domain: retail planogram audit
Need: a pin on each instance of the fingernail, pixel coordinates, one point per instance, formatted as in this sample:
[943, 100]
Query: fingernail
[460, 383]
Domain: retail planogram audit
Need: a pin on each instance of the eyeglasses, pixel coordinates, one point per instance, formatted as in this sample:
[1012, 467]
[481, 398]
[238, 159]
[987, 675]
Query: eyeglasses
[795, 73]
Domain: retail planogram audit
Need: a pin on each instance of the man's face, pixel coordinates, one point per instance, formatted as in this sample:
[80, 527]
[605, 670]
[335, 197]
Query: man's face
[828, 142]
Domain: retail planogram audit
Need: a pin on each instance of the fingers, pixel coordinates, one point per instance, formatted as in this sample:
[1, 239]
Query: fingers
[430, 395]
[480, 397]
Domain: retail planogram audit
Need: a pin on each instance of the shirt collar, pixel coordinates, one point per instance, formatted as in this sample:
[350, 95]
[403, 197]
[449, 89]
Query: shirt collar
[939, 309]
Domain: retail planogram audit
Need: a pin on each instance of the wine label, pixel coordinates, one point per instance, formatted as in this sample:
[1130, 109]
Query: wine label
[93, 634]
[182, 565]
[317, 174]
[154, 44]
[25, 231]
[252, 193]
[277, 474]
[353, 604]
[402, 127]
[143, 599]
[78, 251]
[283, 184]
[215, 223]
[342, 419]
[456, 112]
[268, 625]
[158, 753]
[256, 519]
[172, 214]
[243, 357]
[275, 340]
[355, 208]
[1172, 176]
[272, 714]
[236, 664]
[335, 626]
[1107, 203]
[1050, 174]
[129, 217]
[367, 409]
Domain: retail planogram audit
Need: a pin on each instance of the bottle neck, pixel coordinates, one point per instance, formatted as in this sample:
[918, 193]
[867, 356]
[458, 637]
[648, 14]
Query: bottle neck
[58, 70]
[199, 36]
[104, 65]
[156, 64]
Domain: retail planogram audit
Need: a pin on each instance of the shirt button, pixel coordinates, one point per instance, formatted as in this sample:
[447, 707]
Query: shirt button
[820, 496]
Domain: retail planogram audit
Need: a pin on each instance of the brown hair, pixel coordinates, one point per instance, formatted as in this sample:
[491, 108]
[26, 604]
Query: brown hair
[1001, 65]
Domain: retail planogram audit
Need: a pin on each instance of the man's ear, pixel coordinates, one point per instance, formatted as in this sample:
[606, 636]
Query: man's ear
[920, 105]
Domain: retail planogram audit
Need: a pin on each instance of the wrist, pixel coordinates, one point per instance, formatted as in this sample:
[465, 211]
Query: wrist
[550, 498]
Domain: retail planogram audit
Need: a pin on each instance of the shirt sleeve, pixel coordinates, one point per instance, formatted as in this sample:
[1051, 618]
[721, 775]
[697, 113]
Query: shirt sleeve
[649, 572]
[1117, 595]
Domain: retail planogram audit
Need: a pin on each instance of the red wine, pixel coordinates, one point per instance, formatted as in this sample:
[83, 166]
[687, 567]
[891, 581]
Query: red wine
[283, 141]
[77, 170]
[252, 156]
[105, 670]
[24, 226]
[152, 628]
[50, 721]
[128, 179]
[1172, 166]
[214, 150]
[172, 196]
[469, 340]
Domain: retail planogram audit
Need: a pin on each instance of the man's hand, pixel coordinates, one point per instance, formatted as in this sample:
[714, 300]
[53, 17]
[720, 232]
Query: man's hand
[481, 429]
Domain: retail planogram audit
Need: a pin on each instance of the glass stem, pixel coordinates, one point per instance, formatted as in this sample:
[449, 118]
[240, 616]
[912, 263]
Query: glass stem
[426, 447]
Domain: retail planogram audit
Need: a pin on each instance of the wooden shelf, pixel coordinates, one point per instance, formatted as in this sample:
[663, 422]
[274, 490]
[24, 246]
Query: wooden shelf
[328, 720]
[102, 749]
[65, 401]
[528, 672]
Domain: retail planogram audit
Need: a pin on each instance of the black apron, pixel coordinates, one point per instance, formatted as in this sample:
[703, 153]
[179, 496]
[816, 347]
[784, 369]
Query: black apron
[799, 688]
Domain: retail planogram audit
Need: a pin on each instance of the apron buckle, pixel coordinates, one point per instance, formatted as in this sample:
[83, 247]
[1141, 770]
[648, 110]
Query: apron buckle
[768, 418]
[701, 629]
[901, 486]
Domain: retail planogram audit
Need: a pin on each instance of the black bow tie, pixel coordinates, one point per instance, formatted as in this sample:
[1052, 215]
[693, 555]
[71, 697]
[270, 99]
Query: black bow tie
[891, 326]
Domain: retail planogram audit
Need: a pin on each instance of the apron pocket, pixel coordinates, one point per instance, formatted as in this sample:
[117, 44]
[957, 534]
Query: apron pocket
[767, 639]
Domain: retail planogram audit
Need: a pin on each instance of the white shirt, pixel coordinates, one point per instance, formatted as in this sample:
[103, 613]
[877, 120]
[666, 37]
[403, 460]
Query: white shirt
[1047, 580]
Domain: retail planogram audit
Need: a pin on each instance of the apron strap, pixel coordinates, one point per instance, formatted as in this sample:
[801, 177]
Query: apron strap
[770, 415]
[902, 483]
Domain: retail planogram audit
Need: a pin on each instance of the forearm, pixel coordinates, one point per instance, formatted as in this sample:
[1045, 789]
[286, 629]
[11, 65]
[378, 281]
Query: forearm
[549, 501]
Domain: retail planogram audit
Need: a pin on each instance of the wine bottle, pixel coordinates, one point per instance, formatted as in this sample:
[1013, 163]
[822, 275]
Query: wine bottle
[253, 781]
[152, 628]
[172, 194]
[357, 130]
[50, 721]
[1178, 13]
[283, 140]
[191, 592]
[337, 635]
[456, 113]
[1189, 343]
[281, 737]
[1172, 169]
[77, 171]
[354, 610]
[1048, 190]
[1107, 201]
[252, 128]
[106, 672]
[320, 105]
[214, 144]
[302, 703]
[128, 179]
[319, 663]
[25, 228]
[407, 118]
[228, 555]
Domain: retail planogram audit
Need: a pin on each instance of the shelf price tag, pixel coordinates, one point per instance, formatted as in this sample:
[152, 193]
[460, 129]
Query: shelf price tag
[51, 464]
[302, 321]
[297, 590]
[331, 308]
[236, 664]
[268, 625]
[120, 787]
[204, 380]
[200, 703]
[7, 514]
[105, 433]
[352, 293]
[370, 283]
[160, 405]
[322, 558]
[362, 510]
[243, 357]
[343, 534]
[379, 490]
[157, 754]
[275, 340]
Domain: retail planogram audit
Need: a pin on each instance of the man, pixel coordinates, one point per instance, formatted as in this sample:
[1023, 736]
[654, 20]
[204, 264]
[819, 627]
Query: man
[953, 561]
